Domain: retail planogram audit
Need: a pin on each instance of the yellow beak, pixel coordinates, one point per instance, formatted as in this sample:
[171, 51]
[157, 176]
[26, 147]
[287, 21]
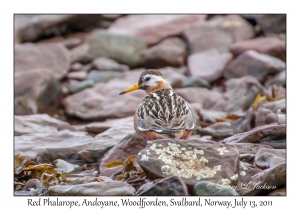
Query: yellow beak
[132, 88]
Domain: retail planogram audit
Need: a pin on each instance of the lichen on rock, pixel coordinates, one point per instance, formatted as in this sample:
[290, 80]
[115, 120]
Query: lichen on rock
[183, 162]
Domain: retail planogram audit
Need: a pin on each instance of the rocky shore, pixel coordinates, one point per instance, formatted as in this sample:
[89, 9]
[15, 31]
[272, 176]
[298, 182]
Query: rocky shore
[73, 132]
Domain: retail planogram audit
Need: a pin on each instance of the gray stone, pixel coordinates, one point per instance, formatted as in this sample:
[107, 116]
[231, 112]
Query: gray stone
[36, 91]
[278, 106]
[99, 127]
[170, 186]
[269, 158]
[206, 98]
[196, 82]
[236, 26]
[279, 79]
[102, 76]
[205, 37]
[279, 192]
[81, 86]
[259, 134]
[272, 46]
[46, 147]
[240, 94]
[32, 27]
[266, 181]
[106, 64]
[122, 48]
[107, 188]
[272, 23]
[218, 130]
[42, 56]
[205, 188]
[243, 124]
[192, 160]
[39, 123]
[153, 28]
[208, 64]
[105, 141]
[170, 52]
[246, 173]
[78, 75]
[129, 145]
[253, 63]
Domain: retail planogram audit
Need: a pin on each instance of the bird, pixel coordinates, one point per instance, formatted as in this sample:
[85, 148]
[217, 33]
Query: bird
[162, 113]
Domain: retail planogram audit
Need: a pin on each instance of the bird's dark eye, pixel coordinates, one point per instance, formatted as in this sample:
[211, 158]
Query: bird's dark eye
[147, 78]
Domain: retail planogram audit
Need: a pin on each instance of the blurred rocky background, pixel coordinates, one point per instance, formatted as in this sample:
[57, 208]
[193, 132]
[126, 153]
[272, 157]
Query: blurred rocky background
[70, 120]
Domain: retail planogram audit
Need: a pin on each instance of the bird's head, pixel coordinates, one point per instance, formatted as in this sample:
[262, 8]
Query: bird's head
[150, 80]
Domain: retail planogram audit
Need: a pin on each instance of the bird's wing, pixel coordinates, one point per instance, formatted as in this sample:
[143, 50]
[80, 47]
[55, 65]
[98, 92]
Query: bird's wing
[164, 112]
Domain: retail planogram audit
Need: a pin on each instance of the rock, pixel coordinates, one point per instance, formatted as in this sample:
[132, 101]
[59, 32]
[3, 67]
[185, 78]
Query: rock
[218, 130]
[111, 171]
[236, 26]
[154, 28]
[276, 106]
[250, 148]
[34, 27]
[240, 94]
[259, 134]
[76, 67]
[72, 42]
[63, 166]
[243, 124]
[247, 158]
[205, 37]
[245, 181]
[266, 181]
[279, 79]
[269, 158]
[209, 64]
[129, 145]
[105, 141]
[79, 75]
[42, 56]
[260, 116]
[205, 188]
[253, 63]
[267, 117]
[22, 193]
[79, 53]
[108, 188]
[46, 147]
[174, 75]
[209, 115]
[276, 92]
[271, 46]
[103, 100]
[170, 52]
[81, 86]
[106, 64]
[279, 192]
[99, 127]
[36, 91]
[272, 23]
[192, 160]
[102, 76]
[195, 82]
[39, 123]
[124, 49]
[281, 118]
[32, 183]
[170, 186]
[206, 98]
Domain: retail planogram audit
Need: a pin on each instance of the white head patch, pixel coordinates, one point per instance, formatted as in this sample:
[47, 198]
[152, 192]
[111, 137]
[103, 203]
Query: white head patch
[153, 80]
